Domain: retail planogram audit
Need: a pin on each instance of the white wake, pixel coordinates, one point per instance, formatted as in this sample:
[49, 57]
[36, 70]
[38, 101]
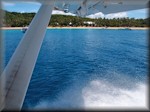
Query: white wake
[98, 94]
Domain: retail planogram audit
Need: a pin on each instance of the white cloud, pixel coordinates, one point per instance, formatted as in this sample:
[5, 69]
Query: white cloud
[110, 16]
[22, 12]
[62, 13]
[97, 15]
[117, 15]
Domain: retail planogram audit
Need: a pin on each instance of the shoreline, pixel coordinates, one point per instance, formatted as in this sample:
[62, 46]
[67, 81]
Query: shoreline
[132, 28]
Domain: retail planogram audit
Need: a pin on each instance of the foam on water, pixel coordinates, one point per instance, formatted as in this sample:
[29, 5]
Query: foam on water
[101, 94]
[98, 94]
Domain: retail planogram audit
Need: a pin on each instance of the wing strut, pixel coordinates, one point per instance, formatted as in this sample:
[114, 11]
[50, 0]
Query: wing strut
[19, 70]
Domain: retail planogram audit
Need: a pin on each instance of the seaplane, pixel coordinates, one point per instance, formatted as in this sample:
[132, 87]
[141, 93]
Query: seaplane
[15, 78]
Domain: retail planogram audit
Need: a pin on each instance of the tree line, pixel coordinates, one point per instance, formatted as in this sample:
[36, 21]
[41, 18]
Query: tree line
[14, 19]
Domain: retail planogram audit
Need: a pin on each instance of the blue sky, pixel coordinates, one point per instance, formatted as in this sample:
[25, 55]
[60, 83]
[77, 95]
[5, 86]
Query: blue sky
[33, 7]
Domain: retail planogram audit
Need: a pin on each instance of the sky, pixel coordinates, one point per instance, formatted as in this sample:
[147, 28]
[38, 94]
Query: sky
[33, 7]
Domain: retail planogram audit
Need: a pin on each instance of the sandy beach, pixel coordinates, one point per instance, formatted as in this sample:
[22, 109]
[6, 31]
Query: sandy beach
[133, 28]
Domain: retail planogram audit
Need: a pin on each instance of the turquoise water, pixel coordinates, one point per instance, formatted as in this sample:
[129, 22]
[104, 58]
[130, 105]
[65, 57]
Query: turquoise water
[87, 68]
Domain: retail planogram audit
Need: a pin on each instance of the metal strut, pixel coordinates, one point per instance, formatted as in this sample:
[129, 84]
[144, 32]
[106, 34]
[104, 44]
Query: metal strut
[19, 70]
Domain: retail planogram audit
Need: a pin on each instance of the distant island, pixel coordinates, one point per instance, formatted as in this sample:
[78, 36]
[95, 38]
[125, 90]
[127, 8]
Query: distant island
[14, 19]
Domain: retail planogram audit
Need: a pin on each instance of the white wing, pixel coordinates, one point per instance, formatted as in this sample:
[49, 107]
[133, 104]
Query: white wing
[113, 6]
[87, 7]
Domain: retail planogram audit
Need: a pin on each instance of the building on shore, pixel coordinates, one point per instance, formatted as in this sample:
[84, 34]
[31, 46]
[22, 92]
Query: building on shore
[89, 23]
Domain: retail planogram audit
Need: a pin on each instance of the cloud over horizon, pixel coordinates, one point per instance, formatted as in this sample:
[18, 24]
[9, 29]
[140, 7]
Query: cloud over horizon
[117, 15]
[96, 15]
[62, 13]
[109, 16]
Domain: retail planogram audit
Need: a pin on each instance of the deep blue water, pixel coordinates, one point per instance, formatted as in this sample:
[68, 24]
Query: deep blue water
[76, 68]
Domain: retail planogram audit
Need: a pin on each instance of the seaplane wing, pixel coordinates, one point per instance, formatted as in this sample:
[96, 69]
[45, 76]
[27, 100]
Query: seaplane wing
[114, 6]
[86, 7]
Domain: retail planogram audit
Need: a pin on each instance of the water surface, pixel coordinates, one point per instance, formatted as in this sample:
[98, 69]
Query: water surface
[87, 68]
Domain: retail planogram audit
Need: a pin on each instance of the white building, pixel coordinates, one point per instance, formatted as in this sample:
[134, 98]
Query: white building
[89, 23]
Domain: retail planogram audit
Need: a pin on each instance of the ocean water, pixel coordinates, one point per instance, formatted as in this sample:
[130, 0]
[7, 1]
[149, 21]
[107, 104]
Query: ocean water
[87, 69]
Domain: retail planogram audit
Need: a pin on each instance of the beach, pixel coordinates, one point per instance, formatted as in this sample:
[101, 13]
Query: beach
[132, 28]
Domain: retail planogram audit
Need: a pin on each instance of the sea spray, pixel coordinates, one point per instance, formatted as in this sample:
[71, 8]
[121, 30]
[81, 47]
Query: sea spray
[99, 94]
